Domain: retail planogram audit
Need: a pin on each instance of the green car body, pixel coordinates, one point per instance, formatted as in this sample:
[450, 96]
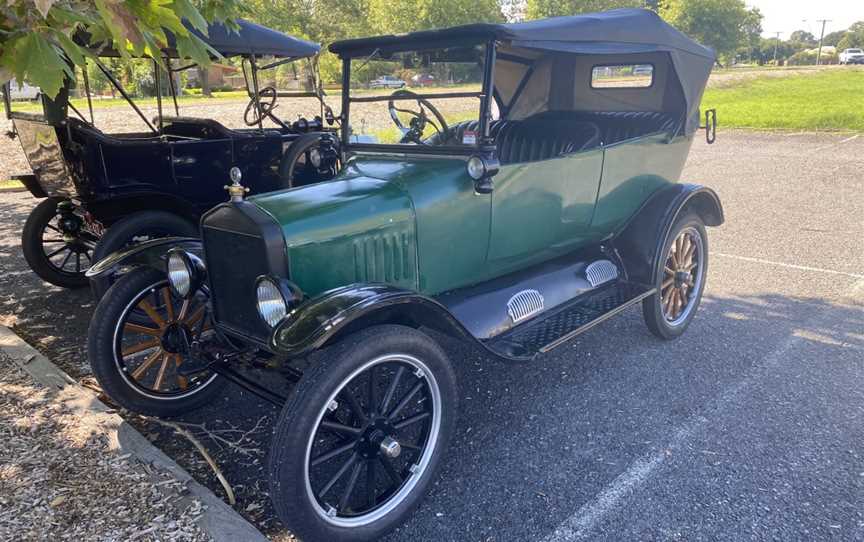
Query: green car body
[417, 223]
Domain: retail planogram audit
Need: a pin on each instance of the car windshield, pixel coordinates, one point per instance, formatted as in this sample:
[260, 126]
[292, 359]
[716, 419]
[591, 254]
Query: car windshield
[854, 51]
[416, 97]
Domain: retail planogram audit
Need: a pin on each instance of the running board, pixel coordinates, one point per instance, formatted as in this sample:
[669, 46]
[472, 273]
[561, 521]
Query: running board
[547, 331]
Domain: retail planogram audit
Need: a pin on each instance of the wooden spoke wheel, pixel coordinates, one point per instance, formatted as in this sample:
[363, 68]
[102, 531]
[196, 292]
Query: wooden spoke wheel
[151, 353]
[680, 279]
[144, 362]
[681, 273]
[362, 436]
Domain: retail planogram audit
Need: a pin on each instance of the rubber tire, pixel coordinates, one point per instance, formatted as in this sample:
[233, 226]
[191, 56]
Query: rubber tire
[121, 233]
[298, 147]
[296, 421]
[100, 352]
[652, 309]
[31, 246]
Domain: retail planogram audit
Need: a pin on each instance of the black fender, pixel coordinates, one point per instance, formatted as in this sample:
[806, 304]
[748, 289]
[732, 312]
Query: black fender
[641, 240]
[342, 311]
[149, 253]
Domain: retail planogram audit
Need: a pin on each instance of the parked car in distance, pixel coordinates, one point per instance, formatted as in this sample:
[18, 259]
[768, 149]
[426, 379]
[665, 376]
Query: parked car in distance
[513, 231]
[387, 81]
[852, 56]
[423, 80]
[23, 91]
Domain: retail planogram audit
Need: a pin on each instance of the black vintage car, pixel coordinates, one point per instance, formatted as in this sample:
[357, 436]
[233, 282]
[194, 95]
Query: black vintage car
[103, 191]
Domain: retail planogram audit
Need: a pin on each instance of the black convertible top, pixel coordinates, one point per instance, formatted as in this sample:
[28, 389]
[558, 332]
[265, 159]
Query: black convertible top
[249, 39]
[616, 32]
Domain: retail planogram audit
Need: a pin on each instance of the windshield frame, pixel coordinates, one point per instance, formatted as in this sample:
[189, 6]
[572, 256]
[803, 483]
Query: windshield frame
[485, 95]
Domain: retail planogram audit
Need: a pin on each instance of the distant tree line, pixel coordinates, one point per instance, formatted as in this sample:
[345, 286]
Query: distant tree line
[799, 48]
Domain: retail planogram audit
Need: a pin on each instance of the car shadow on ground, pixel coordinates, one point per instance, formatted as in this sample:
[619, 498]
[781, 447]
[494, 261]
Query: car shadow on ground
[537, 440]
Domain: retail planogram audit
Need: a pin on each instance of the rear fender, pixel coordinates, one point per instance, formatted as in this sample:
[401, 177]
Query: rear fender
[340, 312]
[640, 243]
[147, 254]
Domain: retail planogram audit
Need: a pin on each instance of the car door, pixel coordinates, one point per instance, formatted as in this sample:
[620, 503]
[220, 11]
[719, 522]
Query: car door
[201, 168]
[544, 208]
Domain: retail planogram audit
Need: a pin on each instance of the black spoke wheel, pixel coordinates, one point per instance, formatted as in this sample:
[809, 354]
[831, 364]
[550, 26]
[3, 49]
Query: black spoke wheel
[57, 245]
[146, 365]
[360, 440]
[681, 272]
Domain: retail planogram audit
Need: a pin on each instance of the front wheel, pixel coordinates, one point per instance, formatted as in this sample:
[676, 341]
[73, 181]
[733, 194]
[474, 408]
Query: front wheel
[140, 364]
[681, 276]
[362, 437]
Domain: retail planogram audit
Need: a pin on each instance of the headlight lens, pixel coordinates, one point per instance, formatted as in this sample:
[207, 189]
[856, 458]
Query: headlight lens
[476, 168]
[315, 157]
[179, 274]
[271, 303]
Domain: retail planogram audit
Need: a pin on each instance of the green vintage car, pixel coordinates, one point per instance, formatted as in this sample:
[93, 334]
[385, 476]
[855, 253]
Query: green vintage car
[528, 195]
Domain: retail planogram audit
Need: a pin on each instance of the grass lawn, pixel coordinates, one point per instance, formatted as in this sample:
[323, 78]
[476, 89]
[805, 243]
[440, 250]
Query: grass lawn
[828, 100]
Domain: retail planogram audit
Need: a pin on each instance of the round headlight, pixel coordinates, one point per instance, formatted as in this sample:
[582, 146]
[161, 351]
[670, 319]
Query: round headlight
[315, 157]
[272, 305]
[179, 274]
[476, 168]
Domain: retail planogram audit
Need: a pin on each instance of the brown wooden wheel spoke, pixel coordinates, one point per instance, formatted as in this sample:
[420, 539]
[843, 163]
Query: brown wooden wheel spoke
[169, 303]
[668, 271]
[666, 284]
[160, 376]
[195, 317]
[184, 309]
[135, 328]
[139, 372]
[152, 313]
[140, 347]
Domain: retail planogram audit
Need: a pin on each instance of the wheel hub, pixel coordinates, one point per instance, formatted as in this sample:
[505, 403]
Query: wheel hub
[376, 440]
[175, 338]
[681, 277]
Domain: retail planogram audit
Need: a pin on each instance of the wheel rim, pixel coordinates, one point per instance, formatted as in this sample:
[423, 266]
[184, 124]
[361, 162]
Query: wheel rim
[67, 253]
[391, 399]
[149, 356]
[682, 277]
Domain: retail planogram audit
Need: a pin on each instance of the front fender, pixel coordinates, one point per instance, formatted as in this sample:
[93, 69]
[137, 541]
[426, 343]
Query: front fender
[641, 240]
[149, 253]
[340, 311]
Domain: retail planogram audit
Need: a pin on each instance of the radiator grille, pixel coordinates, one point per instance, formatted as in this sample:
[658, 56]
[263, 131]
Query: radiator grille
[234, 261]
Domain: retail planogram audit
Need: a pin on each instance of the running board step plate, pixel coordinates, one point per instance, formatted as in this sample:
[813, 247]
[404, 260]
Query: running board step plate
[547, 331]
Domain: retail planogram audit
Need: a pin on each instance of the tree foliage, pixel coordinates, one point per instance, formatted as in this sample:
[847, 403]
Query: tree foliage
[802, 36]
[538, 9]
[853, 38]
[39, 36]
[721, 24]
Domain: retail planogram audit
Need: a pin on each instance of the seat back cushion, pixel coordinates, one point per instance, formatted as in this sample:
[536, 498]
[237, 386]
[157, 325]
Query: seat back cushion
[616, 126]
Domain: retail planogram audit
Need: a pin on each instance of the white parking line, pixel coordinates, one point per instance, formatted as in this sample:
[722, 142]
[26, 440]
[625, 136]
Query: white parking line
[579, 526]
[789, 265]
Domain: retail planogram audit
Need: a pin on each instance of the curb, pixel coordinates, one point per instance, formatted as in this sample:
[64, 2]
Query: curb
[218, 520]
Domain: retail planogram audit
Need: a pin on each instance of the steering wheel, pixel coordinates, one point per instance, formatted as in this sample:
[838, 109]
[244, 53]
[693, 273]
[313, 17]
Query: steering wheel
[266, 104]
[413, 133]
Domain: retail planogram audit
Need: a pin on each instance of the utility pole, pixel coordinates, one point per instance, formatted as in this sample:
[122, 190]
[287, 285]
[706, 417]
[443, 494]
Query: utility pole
[776, 43]
[821, 37]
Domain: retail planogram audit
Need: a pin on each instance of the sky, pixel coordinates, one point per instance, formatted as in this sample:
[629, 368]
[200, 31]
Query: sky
[786, 16]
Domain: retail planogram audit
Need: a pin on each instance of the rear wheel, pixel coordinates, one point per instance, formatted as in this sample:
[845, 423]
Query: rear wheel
[139, 364]
[56, 244]
[681, 279]
[136, 228]
[362, 437]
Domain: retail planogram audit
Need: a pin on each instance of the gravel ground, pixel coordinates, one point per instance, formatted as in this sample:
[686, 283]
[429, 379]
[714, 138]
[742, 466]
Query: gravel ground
[748, 427]
[59, 480]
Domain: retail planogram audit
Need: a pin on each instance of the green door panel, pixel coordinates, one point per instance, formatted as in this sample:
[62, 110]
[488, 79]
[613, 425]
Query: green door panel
[632, 171]
[354, 229]
[543, 209]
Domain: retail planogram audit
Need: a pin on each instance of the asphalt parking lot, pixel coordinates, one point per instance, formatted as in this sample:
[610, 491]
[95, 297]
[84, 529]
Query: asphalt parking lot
[751, 426]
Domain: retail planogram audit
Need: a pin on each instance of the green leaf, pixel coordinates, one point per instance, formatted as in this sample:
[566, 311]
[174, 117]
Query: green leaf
[72, 49]
[40, 63]
[186, 10]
